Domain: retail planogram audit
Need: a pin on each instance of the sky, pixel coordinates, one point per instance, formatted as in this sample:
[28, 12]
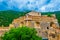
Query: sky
[33, 5]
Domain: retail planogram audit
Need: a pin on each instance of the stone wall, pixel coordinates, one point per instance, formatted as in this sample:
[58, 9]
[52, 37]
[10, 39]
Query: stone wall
[3, 30]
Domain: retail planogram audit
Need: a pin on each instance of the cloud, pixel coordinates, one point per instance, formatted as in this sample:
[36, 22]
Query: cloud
[42, 9]
[37, 5]
[1, 1]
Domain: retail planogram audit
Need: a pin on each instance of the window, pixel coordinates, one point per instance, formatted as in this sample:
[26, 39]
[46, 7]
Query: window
[53, 35]
[37, 22]
[47, 27]
[51, 23]
[22, 22]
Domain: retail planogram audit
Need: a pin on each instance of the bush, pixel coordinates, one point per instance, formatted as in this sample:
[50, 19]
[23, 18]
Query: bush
[21, 33]
[49, 15]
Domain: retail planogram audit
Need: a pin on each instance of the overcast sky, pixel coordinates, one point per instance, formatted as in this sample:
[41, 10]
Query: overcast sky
[36, 5]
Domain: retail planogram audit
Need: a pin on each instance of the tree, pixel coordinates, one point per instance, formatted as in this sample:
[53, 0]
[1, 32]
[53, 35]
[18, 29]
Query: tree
[6, 17]
[21, 33]
[49, 15]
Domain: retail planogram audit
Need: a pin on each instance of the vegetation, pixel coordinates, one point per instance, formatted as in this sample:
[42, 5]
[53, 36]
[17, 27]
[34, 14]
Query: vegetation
[58, 16]
[6, 17]
[49, 15]
[21, 33]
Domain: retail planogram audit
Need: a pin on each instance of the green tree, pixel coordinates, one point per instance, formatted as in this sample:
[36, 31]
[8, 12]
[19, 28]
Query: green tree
[49, 15]
[6, 17]
[21, 33]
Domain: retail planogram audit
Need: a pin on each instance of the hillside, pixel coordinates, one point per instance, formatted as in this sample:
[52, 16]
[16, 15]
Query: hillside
[6, 17]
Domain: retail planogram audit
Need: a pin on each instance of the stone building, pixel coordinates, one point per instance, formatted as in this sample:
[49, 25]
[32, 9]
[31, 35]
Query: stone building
[3, 30]
[54, 34]
[44, 25]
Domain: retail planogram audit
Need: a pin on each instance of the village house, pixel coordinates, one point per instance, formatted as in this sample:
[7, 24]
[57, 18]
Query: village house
[47, 27]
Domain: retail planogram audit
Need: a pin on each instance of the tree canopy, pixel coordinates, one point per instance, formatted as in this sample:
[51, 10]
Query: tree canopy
[21, 33]
[6, 17]
[49, 15]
